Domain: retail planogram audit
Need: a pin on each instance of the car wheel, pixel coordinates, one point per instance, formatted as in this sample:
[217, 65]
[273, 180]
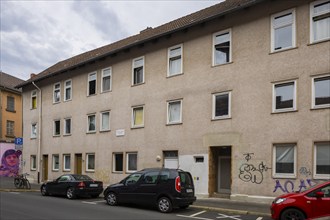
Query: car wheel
[44, 190]
[112, 199]
[292, 214]
[70, 193]
[164, 205]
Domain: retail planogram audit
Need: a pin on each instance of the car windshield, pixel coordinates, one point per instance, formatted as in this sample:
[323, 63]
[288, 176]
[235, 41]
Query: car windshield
[82, 178]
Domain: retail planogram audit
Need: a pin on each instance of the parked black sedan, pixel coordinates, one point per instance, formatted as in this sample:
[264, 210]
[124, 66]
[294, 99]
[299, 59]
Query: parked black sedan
[72, 186]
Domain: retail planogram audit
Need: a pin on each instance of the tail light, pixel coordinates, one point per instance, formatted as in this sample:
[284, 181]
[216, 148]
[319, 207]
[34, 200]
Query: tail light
[81, 185]
[178, 184]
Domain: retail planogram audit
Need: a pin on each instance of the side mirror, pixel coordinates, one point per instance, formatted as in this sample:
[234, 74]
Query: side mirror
[319, 194]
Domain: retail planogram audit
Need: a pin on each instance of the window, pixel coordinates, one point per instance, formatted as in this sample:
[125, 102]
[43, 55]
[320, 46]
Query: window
[10, 128]
[67, 126]
[284, 160]
[106, 80]
[150, 177]
[56, 162]
[174, 112]
[34, 130]
[90, 164]
[175, 60]
[322, 160]
[33, 162]
[221, 105]
[321, 92]
[34, 99]
[105, 121]
[67, 90]
[138, 71]
[222, 47]
[118, 162]
[10, 104]
[320, 20]
[66, 162]
[137, 117]
[284, 96]
[91, 123]
[57, 128]
[92, 83]
[57, 93]
[131, 162]
[283, 31]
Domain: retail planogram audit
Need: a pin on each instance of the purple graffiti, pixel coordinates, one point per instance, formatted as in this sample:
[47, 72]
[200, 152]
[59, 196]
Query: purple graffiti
[289, 186]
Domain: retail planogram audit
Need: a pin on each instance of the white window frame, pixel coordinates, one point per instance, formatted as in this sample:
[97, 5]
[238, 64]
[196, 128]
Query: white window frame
[133, 125]
[114, 162]
[170, 57]
[104, 75]
[168, 112]
[314, 106]
[34, 96]
[88, 116]
[285, 175]
[54, 128]
[229, 31]
[10, 128]
[33, 162]
[67, 87]
[214, 117]
[89, 80]
[127, 161]
[312, 15]
[57, 90]
[87, 162]
[273, 27]
[316, 175]
[294, 107]
[137, 66]
[65, 168]
[65, 132]
[101, 120]
[34, 127]
[54, 162]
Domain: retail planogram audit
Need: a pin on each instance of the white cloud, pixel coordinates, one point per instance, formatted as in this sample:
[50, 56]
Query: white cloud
[38, 34]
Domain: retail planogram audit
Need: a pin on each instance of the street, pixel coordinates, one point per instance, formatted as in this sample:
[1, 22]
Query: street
[31, 205]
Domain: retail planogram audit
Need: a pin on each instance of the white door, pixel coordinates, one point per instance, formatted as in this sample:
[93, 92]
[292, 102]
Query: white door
[171, 163]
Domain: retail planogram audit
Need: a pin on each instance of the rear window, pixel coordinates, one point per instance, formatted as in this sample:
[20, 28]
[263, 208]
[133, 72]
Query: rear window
[82, 178]
[186, 180]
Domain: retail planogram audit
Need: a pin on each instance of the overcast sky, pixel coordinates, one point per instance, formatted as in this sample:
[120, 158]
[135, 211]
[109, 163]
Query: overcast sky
[37, 34]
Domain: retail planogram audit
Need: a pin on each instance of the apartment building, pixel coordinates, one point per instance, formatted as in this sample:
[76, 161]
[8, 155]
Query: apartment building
[238, 94]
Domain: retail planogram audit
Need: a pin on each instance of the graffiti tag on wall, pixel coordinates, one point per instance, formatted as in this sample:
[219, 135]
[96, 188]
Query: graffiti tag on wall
[248, 172]
[289, 186]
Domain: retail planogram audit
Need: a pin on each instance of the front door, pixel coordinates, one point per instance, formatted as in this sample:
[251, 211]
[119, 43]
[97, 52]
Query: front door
[78, 164]
[224, 170]
[44, 168]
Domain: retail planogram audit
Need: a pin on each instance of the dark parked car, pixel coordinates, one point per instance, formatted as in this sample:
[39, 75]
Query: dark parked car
[72, 186]
[309, 204]
[161, 187]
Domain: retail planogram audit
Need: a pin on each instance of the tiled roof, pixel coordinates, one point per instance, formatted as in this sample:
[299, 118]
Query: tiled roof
[9, 82]
[149, 34]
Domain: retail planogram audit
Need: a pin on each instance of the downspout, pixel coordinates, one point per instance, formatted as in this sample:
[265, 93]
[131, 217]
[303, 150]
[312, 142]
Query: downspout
[39, 133]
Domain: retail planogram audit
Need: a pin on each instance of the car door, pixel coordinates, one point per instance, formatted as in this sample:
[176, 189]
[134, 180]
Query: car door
[147, 189]
[127, 192]
[61, 185]
[320, 204]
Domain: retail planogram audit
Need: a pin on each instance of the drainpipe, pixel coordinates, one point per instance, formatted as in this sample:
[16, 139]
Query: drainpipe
[39, 133]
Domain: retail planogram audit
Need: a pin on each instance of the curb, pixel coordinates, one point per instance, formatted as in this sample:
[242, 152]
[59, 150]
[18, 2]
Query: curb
[19, 190]
[232, 211]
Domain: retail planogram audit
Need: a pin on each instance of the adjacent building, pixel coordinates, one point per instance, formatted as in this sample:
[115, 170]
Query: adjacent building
[238, 94]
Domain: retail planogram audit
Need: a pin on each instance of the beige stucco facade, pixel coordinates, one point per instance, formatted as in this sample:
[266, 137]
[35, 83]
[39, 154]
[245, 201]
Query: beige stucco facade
[249, 133]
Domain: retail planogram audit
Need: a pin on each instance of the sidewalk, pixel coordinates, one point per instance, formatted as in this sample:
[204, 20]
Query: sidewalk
[212, 204]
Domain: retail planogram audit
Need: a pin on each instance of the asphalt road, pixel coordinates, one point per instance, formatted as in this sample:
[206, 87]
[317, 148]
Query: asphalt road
[31, 205]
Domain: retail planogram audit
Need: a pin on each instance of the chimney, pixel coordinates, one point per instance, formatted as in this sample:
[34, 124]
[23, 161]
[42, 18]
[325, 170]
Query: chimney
[32, 75]
[145, 30]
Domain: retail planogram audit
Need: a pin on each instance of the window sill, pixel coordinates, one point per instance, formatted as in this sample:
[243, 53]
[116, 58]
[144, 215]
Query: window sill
[174, 123]
[92, 95]
[222, 64]
[55, 136]
[284, 111]
[10, 136]
[90, 171]
[9, 110]
[55, 170]
[32, 138]
[320, 107]
[107, 91]
[137, 84]
[282, 50]
[222, 118]
[66, 135]
[33, 169]
[137, 127]
[174, 75]
[66, 171]
[318, 42]
[67, 100]
[118, 172]
[321, 177]
[284, 176]
[55, 103]
[91, 132]
[104, 131]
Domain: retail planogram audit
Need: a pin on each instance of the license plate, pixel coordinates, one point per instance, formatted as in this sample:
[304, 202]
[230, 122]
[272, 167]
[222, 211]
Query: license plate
[93, 185]
[189, 190]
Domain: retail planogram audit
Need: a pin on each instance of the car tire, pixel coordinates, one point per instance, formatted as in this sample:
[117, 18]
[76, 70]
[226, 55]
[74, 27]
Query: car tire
[44, 191]
[164, 205]
[112, 199]
[70, 193]
[293, 214]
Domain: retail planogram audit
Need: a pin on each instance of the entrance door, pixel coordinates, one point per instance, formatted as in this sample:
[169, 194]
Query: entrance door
[44, 168]
[78, 164]
[224, 170]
